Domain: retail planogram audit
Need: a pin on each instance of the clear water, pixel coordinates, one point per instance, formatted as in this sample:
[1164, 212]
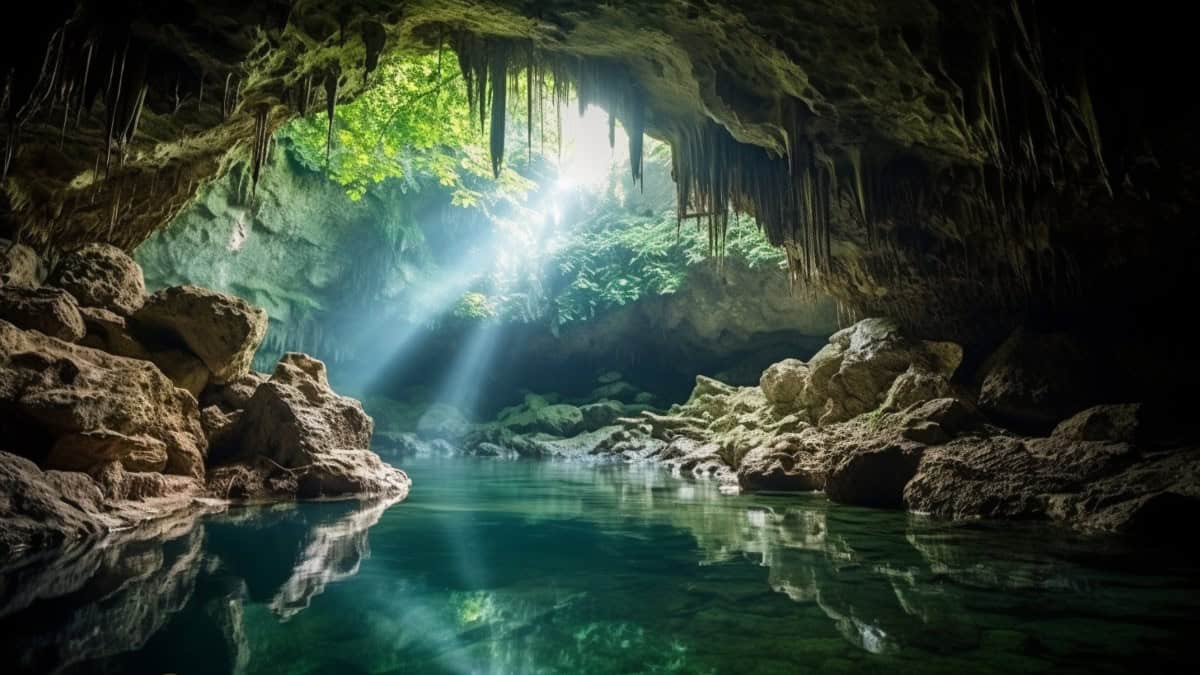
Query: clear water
[516, 567]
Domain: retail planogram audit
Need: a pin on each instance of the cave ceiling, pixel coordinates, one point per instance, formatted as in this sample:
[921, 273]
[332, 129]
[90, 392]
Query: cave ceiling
[891, 146]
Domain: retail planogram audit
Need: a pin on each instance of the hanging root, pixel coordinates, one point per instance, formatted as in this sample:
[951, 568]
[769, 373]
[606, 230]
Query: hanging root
[260, 145]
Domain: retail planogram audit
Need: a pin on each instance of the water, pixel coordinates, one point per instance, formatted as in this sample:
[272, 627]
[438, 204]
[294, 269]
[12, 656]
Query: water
[568, 568]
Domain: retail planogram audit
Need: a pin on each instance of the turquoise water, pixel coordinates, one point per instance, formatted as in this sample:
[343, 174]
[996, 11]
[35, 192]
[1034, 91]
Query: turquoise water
[521, 567]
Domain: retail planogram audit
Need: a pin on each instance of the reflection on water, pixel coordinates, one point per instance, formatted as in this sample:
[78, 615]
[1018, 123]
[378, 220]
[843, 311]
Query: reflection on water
[555, 567]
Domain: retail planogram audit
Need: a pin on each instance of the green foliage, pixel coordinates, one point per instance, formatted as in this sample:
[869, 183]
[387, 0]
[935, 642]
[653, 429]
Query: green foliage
[474, 306]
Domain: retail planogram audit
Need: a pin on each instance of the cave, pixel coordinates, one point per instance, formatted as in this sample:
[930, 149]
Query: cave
[548, 336]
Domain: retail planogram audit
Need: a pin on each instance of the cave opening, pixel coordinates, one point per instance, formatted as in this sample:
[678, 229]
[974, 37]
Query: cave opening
[655, 336]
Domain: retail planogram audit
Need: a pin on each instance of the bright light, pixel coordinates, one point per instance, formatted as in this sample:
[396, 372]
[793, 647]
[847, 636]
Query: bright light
[587, 158]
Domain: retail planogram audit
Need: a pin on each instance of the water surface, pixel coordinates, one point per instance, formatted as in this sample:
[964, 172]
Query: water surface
[523, 567]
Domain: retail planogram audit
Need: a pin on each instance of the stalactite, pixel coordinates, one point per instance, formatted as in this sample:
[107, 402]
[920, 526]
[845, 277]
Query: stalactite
[258, 148]
[111, 110]
[499, 65]
[87, 69]
[374, 40]
[225, 97]
[331, 95]
[529, 104]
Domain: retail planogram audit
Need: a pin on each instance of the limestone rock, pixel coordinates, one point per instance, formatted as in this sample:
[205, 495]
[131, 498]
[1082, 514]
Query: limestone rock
[43, 509]
[55, 389]
[766, 468]
[1034, 380]
[222, 330]
[783, 382]
[223, 431]
[86, 450]
[109, 332]
[873, 477]
[600, 414]
[330, 474]
[19, 266]
[913, 386]
[294, 417]
[101, 275]
[233, 395]
[1103, 423]
[444, 421]
[559, 420]
[49, 310]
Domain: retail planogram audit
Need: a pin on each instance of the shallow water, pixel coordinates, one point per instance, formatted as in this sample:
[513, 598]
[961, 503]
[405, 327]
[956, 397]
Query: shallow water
[528, 567]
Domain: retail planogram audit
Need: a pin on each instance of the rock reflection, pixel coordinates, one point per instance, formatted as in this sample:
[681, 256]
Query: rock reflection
[92, 607]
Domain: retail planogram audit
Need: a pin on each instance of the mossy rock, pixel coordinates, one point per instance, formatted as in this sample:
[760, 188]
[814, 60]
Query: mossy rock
[560, 420]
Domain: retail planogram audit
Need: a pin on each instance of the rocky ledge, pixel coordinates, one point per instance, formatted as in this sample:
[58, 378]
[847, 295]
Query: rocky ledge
[117, 408]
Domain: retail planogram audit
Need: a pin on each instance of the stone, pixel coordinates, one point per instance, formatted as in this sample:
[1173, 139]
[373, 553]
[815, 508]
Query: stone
[951, 414]
[54, 389]
[925, 433]
[233, 395]
[913, 386]
[442, 420]
[19, 266]
[600, 414]
[353, 472]
[49, 310]
[535, 401]
[223, 431]
[101, 275]
[783, 382]
[86, 450]
[559, 420]
[1033, 380]
[44, 509]
[222, 330]
[109, 332]
[295, 417]
[609, 377]
[873, 477]
[1103, 423]
[767, 469]
[617, 391]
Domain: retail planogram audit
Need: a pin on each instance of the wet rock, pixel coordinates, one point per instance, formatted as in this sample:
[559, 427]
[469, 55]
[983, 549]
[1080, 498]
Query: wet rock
[444, 421]
[52, 389]
[336, 473]
[559, 420]
[600, 414]
[222, 330]
[783, 382]
[294, 417]
[19, 266]
[766, 468]
[49, 310]
[101, 275]
[44, 509]
[873, 477]
[1034, 380]
[86, 450]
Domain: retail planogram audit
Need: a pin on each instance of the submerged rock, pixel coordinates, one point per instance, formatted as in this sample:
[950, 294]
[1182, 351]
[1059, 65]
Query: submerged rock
[222, 330]
[101, 275]
[49, 310]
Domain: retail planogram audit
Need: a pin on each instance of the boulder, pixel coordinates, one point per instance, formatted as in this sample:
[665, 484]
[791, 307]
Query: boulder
[330, 474]
[41, 509]
[233, 395]
[767, 469]
[1120, 423]
[783, 382]
[600, 414]
[559, 420]
[19, 266]
[1033, 380]
[51, 389]
[872, 477]
[109, 332]
[913, 386]
[87, 450]
[49, 310]
[101, 275]
[855, 371]
[223, 431]
[608, 377]
[618, 391]
[294, 417]
[222, 330]
[442, 420]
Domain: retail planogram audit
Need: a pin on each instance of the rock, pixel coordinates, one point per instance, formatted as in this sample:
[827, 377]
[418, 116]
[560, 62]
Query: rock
[442, 420]
[855, 371]
[49, 310]
[53, 389]
[233, 395]
[618, 391]
[951, 414]
[109, 332]
[295, 418]
[707, 386]
[783, 382]
[913, 386]
[222, 330]
[645, 398]
[19, 266]
[608, 377]
[490, 450]
[101, 275]
[535, 401]
[44, 509]
[1036, 379]
[331, 474]
[873, 477]
[1103, 423]
[86, 450]
[223, 431]
[767, 469]
[600, 414]
[559, 420]
[925, 433]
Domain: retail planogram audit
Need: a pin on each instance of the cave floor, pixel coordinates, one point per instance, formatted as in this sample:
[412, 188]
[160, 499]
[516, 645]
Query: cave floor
[521, 566]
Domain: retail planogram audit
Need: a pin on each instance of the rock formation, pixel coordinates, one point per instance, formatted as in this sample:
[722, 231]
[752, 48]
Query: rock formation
[108, 433]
